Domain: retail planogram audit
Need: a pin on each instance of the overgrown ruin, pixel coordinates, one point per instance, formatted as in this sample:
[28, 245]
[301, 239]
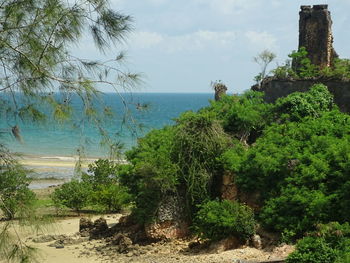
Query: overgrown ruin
[315, 34]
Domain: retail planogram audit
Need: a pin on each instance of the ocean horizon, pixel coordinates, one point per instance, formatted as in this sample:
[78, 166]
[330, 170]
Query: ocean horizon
[50, 143]
[62, 140]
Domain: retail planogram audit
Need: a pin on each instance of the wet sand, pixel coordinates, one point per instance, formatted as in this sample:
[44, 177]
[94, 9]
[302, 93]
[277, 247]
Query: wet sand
[52, 170]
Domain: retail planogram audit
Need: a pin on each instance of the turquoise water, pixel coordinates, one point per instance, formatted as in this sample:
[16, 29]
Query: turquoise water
[52, 139]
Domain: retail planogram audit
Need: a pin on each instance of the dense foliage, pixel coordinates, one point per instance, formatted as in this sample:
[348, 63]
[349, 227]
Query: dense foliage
[300, 67]
[180, 157]
[36, 37]
[244, 116]
[99, 187]
[330, 243]
[198, 140]
[299, 164]
[15, 196]
[216, 220]
[74, 194]
[293, 155]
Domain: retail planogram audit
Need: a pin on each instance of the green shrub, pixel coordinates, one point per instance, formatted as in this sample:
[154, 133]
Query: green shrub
[152, 172]
[285, 71]
[101, 172]
[296, 210]
[152, 162]
[303, 66]
[299, 169]
[340, 70]
[112, 197]
[74, 194]
[329, 243]
[299, 105]
[312, 250]
[15, 195]
[243, 116]
[216, 220]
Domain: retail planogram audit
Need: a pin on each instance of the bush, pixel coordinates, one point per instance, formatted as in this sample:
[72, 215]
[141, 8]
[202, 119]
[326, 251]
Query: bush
[299, 105]
[152, 172]
[15, 195]
[101, 172]
[74, 194]
[312, 250]
[330, 243]
[112, 197]
[302, 64]
[299, 168]
[216, 220]
[103, 178]
[243, 116]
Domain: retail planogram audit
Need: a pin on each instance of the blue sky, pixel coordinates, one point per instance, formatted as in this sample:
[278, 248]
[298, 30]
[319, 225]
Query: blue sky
[183, 45]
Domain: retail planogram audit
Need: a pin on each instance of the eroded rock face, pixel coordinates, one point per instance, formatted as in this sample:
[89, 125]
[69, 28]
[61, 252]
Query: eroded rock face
[170, 222]
[229, 190]
[315, 34]
[167, 230]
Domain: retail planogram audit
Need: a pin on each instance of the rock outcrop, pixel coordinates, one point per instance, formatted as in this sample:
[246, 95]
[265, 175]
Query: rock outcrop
[169, 222]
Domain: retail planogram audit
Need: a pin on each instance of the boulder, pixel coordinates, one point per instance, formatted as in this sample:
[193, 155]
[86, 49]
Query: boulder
[122, 242]
[85, 224]
[257, 242]
[99, 229]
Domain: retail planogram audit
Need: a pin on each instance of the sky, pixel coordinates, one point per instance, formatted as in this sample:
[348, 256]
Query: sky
[184, 45]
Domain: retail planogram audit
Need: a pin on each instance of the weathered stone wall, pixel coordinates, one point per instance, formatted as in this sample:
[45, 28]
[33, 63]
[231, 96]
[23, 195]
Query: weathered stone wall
[275, 89]
[170, 221]
[315, 34]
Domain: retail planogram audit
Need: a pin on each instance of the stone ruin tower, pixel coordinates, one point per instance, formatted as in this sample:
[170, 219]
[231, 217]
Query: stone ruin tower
[315, 34]
[220, 90]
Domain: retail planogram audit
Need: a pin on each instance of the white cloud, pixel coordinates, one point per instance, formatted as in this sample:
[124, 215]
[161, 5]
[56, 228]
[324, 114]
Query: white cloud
[198, 40]
[146, 39]
[157, 2]
[261, 39]
[228, 7]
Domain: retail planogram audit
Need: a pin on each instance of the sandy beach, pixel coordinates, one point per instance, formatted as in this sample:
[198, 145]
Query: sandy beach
[52, 170]
[96, 251]
[54, 161]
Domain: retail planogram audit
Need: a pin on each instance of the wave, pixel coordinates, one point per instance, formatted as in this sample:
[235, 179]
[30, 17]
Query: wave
[61, 158]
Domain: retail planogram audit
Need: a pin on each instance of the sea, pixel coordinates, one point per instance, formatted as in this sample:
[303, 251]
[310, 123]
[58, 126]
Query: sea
[135, 114]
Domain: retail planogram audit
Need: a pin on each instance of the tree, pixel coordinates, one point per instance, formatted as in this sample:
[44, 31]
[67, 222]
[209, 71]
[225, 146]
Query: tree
[263, 59]
[35, 60]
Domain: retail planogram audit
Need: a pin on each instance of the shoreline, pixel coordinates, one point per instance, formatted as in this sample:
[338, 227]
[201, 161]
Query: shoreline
[51, 171]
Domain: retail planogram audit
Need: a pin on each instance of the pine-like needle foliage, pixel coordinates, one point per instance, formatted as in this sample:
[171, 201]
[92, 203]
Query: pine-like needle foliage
[35, 60]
